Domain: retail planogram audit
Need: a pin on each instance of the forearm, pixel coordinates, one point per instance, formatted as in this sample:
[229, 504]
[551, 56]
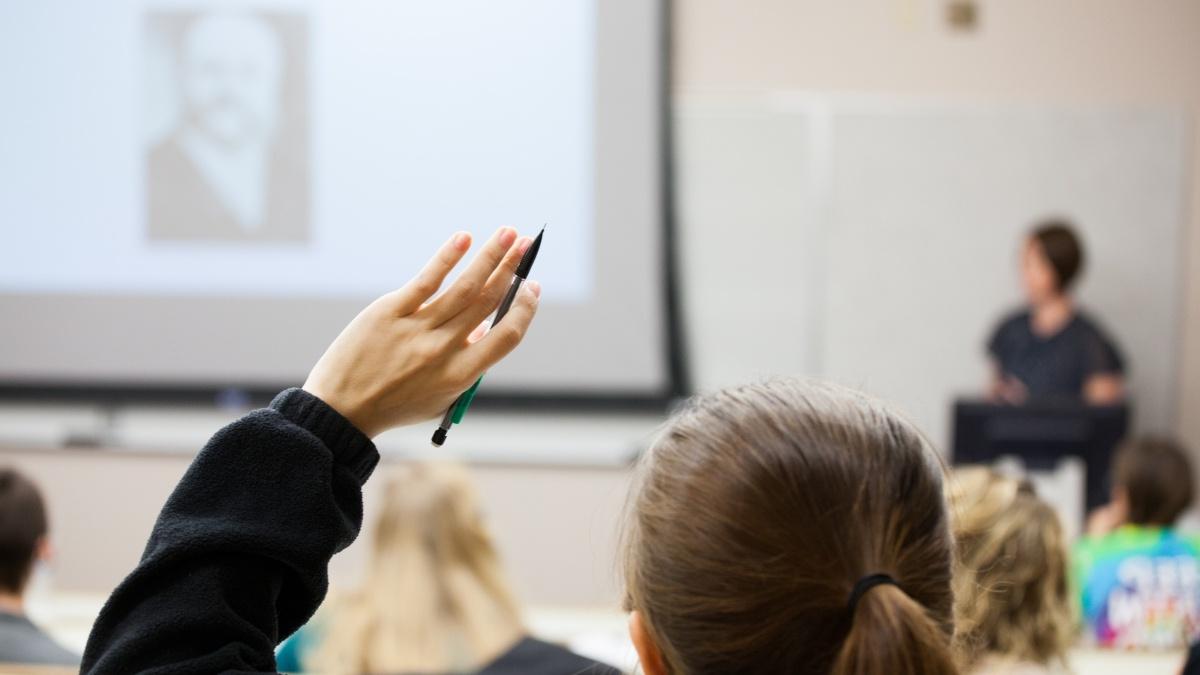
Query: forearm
[238, 558]
[1104, 389]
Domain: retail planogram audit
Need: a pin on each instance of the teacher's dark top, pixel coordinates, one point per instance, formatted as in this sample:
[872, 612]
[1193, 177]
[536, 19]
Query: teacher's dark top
[1054, 367]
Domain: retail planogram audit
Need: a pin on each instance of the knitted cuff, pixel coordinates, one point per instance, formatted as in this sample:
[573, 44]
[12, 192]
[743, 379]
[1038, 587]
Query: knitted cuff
[350, 447]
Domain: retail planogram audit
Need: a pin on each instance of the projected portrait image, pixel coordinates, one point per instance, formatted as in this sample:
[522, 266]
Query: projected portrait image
[227, 156]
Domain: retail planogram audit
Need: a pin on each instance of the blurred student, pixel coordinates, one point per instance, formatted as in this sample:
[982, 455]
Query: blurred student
[1050, 349]
[1013, 603]
[1139, 578]
[23, 544]
[775, 528]
[434, 599]
[790, 528]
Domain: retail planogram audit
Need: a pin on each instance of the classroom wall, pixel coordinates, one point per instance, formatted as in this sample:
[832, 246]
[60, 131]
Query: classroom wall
[1024, 51]
[555, 527]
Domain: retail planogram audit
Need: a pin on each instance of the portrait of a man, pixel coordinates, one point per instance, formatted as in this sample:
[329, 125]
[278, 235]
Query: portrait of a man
[230, 162]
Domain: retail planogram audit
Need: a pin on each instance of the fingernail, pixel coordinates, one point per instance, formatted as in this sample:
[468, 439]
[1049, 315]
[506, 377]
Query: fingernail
[478, 333]
[536, 288]
[524, 244]
[462, 240]
[507, 236]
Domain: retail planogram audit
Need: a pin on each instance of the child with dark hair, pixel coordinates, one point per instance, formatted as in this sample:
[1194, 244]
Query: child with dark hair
[1139, 579]
[23, 529]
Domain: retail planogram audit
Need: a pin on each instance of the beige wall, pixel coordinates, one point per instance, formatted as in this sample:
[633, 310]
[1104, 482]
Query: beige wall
[1043, 51]
[555, 527]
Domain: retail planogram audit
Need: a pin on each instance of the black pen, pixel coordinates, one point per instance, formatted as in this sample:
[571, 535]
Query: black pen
[458, 409]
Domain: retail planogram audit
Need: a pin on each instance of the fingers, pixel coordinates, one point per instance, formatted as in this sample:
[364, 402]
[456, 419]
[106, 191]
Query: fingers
[504, 336]
[465, 290]
[412, 296]
[477, 334]
[493, 291]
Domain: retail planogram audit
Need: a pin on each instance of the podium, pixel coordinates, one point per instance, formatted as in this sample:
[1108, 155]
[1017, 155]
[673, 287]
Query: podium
[1041, 434]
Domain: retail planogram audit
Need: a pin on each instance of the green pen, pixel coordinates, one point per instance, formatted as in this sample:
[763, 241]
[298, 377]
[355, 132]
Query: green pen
[458, 409]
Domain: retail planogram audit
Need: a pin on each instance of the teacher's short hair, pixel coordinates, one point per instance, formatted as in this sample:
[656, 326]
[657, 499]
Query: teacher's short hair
[22, 525]
[1156, 475]
[1062, 248]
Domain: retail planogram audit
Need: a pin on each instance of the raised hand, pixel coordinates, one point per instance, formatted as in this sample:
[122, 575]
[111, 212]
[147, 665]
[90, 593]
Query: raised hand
[406, 356]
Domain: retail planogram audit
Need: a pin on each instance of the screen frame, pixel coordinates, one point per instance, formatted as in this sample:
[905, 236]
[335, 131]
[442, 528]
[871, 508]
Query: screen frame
[673, 344]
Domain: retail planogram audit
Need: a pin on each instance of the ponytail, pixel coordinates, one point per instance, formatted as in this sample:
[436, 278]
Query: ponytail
[891, 633]
[753, 514]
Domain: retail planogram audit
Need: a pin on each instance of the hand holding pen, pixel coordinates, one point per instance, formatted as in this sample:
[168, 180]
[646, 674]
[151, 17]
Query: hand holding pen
[454, 414]
[407, 356]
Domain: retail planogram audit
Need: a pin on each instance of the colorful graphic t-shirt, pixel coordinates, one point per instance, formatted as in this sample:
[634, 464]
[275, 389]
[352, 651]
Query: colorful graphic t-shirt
[1139, 587]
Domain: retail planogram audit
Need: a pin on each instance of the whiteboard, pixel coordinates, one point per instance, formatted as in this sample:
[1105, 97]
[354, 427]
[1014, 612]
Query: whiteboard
[898, 239]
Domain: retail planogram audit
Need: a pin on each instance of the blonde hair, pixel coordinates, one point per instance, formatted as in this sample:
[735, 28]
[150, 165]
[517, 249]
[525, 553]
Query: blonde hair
[1012, 594]
[755, 514]
[434, 598]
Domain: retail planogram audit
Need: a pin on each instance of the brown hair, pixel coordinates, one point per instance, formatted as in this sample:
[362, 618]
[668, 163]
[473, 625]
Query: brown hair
[22, 525]
[1062, 248]
[757, 511]
[1156, 475]
[1013, 599]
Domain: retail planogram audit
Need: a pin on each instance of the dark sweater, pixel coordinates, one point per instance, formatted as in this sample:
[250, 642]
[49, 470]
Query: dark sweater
[238, 558]
[1192, 667]
[534, 657]
[1055, 367]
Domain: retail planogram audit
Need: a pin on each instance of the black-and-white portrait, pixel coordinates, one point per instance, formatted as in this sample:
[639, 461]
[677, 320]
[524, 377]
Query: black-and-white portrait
[227, 155]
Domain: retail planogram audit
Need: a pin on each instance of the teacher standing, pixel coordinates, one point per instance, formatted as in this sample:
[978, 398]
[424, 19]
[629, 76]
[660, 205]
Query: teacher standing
[1050, 350]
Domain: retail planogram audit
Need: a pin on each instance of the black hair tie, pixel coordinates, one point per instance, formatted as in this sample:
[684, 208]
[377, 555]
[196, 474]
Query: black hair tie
[865, 584]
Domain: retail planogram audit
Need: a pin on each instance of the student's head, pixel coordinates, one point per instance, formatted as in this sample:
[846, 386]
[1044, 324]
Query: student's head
[434, 598]
[754, 516]
[1051, 260]
[1152, 481]
[1011, 587]
[23, 530]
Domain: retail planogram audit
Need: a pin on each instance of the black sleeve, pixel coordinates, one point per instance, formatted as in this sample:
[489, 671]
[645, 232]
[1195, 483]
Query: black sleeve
[997, 345]
[1192, 666]
[238, 557]
[1103, 355]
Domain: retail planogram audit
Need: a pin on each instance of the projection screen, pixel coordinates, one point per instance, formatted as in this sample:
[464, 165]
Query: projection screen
[199, 195]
